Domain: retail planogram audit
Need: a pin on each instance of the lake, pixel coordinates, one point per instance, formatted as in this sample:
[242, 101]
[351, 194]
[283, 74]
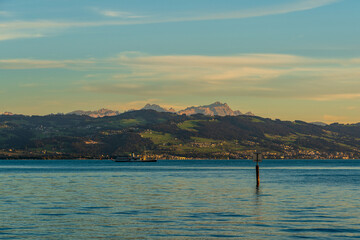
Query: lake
[202, 199]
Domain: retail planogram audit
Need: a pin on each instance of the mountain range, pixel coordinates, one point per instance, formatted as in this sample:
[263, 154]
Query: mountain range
[214, 109]
[95, 114]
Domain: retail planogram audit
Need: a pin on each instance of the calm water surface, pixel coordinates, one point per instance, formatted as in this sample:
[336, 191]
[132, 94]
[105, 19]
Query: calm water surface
[314, 199]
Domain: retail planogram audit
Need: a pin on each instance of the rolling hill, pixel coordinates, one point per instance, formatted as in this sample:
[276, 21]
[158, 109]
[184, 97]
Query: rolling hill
[170, 135]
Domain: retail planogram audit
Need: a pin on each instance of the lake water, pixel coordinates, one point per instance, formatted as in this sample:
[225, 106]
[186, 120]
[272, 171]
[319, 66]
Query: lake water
[315, 199]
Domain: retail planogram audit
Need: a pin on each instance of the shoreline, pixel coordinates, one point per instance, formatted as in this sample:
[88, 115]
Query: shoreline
[187, 159]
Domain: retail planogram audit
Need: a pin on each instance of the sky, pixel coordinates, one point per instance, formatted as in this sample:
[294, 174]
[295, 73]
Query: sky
[285, 59]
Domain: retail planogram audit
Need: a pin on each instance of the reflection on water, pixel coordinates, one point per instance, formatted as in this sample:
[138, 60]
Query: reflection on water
[179, 200]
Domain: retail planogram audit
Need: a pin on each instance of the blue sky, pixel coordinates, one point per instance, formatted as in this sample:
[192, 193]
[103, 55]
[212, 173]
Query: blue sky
[287, 59]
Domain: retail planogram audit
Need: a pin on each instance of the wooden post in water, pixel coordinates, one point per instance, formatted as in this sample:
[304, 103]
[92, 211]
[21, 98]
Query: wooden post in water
[257, 175]
[257, 159]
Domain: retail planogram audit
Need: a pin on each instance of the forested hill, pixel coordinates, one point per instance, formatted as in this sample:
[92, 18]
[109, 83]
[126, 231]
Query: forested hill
[169, 135]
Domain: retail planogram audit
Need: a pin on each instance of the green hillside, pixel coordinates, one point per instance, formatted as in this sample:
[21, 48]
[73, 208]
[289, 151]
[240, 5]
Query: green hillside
[171, 136]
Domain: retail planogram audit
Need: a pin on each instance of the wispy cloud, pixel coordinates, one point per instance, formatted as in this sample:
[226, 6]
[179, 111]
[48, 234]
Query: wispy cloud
[265, 75]
[5, 14]
[30, 85]
[109, 13]
[19, 35]
[41, 28]
[351, 108]
[41, 64]
[336, 96]
[301, 5]
[116, 14]
[332, 118]
[258, 75]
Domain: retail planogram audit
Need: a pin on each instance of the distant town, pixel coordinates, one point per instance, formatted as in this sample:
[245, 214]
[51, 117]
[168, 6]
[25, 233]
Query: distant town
[248, 154]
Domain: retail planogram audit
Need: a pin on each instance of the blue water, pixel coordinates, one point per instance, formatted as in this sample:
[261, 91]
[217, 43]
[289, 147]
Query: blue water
[65, 199]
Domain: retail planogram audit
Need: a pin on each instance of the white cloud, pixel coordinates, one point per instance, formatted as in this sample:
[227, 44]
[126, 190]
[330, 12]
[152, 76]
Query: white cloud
[41, 28]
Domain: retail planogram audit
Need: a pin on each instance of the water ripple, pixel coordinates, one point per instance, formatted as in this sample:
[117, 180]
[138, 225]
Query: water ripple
[179, 200]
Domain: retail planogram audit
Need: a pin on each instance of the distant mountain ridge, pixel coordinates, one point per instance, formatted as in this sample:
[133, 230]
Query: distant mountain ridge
[7, 114]
[157, 108]
[96, 114]
[214, 109]
[319, 124]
